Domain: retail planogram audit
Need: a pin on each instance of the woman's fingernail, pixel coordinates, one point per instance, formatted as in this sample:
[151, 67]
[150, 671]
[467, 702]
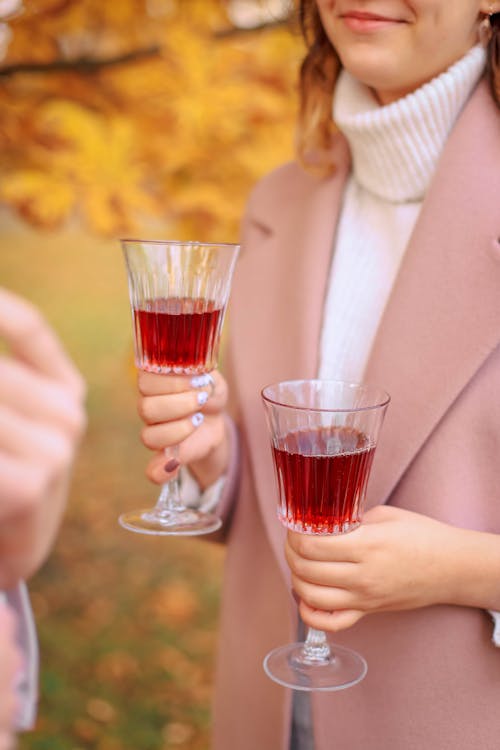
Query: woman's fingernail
[201, 381]
[197, 419]
[172, 465]
[202, 397]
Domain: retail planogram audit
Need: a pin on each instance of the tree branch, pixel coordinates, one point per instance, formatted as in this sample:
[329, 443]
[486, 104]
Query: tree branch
[80, 64]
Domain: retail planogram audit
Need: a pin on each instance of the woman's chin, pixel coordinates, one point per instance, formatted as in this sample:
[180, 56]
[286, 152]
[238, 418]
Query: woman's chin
[383, 77]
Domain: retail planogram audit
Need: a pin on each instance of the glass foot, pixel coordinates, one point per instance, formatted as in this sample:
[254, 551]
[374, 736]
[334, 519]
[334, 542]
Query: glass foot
[181, 523]
[343, 669]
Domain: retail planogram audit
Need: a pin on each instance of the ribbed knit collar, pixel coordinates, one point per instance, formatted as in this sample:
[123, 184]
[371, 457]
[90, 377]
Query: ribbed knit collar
[395, 147]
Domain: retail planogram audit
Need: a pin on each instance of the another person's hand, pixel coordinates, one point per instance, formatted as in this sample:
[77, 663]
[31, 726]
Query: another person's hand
[10, 665]
[396, 560]
[41, 421]
[178, 411]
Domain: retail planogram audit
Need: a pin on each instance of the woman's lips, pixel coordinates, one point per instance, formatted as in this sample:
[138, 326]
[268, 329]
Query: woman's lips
[366, 22]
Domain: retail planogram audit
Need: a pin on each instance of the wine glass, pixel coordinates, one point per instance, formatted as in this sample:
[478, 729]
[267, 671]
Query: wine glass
[178, 295]
[323, 438]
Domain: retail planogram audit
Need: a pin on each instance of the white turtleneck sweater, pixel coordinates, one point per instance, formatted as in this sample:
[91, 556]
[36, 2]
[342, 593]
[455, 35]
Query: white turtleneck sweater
[395, 150]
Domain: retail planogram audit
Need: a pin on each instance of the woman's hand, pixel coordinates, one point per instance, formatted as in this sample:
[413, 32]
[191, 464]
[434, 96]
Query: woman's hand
[395, 560]
[10, 665]
[188, 412]
[41, 421]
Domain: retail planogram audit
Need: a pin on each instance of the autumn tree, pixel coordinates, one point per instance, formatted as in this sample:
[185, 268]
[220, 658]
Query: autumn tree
[143, 116]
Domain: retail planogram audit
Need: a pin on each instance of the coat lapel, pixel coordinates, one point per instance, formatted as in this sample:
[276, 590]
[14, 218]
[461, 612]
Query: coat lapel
[443, 317]
[278, 296]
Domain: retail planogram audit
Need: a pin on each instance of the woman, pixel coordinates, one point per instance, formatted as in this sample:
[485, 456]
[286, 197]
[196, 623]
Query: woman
[379, 261]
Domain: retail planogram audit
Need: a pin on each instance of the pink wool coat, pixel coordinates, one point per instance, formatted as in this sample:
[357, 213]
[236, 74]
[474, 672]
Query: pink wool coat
[433, 674]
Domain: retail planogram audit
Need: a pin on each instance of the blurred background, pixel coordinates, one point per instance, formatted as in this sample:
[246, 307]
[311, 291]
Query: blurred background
[149, 118]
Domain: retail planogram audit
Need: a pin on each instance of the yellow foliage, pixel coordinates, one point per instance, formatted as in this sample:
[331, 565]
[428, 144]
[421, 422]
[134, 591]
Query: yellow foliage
[170, 140]
[39, 197]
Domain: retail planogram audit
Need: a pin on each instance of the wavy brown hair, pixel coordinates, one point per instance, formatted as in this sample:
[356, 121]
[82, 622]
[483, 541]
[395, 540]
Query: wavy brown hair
[493, 58]
[318, 74]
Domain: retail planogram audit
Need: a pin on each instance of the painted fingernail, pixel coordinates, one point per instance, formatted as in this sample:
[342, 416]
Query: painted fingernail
[172, 465]
[201, 381]
[197, 419]
[202, 397]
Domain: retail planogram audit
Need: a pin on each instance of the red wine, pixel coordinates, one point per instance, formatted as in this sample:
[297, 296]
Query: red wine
[177, 334]
[322, 476]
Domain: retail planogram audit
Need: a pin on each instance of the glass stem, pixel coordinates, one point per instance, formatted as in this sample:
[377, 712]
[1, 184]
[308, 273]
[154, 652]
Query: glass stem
[316, 649]
[169, 501]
